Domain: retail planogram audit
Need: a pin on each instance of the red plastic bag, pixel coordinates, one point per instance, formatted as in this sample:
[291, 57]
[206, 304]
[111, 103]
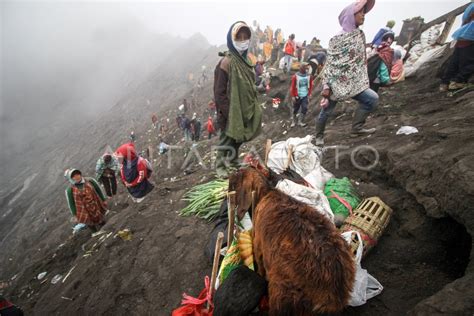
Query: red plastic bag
[196, 306]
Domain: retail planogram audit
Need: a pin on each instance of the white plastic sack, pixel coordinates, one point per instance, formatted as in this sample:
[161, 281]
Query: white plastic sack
[407, 130]
[430, 55]
[430, 36]
[365, 285]
[312, 197]
[306, 160]
[281, 64]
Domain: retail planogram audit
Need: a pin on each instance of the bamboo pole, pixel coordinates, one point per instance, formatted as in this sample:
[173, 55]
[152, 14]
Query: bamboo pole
[215, 265]
[254, 193]
[231, 216]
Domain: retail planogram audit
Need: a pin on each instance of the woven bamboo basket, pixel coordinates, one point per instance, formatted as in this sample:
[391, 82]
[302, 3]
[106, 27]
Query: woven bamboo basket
[370, 219]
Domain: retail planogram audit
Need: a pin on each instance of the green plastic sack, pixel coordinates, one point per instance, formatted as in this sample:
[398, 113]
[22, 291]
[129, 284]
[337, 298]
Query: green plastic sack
[342, 196]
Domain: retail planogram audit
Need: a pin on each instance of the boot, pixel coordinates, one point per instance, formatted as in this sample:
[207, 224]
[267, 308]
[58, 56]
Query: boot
[293, 120]
[359, 120]
[320, 127]
[300, 120]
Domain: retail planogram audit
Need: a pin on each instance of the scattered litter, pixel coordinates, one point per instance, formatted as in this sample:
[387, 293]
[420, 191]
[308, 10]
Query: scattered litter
[284, 132]
[100, 232]
[41, 275]
[407, 130]
[78, 228]
[66, 298]
[437, 124]
[125, 234]
[56, 279]
[68, 274]
[173, 179]
[242, 154]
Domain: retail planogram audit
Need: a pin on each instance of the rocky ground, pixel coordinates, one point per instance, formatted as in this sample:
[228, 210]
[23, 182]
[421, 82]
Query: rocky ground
[423, 259]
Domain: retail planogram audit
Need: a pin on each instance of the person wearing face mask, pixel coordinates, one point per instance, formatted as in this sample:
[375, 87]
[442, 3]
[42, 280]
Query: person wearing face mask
[345, 72]
[301, 87]
[239, 115]
[85, 199]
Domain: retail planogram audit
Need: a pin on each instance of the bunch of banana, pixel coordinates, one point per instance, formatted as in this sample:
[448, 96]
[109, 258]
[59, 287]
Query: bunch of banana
[245, 247]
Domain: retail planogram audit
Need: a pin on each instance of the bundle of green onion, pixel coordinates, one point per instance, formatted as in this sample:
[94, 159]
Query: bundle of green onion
[205, 199]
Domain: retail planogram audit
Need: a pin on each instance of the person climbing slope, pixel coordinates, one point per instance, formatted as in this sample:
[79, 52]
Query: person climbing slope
[300, 91]
[106, 170]
[238, 113]
[461, 63]
[135, 172]
[345, 72]
[85, 199]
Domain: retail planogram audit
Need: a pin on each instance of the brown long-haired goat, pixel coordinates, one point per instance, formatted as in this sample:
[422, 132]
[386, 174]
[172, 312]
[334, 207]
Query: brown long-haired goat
[308, 265]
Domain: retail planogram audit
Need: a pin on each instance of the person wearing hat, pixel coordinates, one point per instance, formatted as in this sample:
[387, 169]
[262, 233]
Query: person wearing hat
[378, 37]
[106, 170]
[239, 114]
[135, 172]
[380, 64]
[85, 199]
[300, 91]
[345, 72]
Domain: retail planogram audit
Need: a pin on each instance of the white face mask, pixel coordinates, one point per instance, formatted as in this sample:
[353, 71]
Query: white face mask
[241, 46]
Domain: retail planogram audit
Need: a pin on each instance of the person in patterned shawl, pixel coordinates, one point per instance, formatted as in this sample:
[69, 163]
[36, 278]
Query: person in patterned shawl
[85, 199]
[345, 73]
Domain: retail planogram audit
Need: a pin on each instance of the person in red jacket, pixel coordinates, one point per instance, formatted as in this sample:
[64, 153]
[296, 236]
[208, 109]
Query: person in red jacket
[135, 172]
[290, 49]
[301, 88]
[210, 128]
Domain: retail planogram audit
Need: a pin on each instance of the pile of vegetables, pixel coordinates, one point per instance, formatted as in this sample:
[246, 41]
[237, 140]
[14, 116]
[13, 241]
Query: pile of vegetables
[205, 199]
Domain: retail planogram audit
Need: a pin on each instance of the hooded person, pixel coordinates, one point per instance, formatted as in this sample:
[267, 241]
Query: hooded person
[345, 73]
[239, 114]
[380, 65]
[300, 91]
[397, 73]
[378, 37]
[134, 171]
[461, 63]
[85, 199]
[106, 170]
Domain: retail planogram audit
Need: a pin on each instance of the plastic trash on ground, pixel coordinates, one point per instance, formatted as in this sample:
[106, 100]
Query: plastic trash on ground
[41, 275]
[407, 130]
[56, 278]
[78, 228]
[125, 234]
[365, 285]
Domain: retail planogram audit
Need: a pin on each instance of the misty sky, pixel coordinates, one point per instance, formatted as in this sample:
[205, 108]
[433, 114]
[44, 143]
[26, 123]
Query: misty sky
[304, 18]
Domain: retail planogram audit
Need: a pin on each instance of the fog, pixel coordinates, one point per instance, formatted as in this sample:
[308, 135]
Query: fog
[62, 63]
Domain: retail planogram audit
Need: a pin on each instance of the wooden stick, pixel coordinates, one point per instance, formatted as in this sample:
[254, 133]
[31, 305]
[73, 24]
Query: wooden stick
[231, 216]
[290, 154]
[254, 193]
[268, 147]
[215, 264]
